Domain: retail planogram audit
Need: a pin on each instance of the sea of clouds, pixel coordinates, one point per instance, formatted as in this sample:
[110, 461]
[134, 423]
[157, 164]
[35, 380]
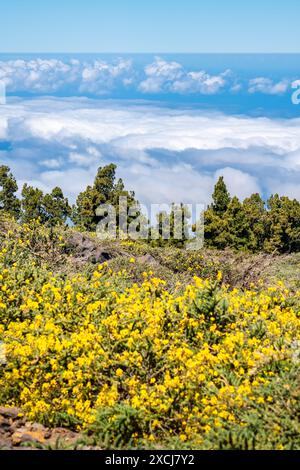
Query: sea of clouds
[164, 154]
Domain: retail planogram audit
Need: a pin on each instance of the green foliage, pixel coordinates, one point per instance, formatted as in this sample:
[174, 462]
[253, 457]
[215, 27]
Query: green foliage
[254, 208]
[105, 190]
[283, 225]
[251, 225]
[210, 303]
[221, 197]
[118, 427]
[52, 209]
[172, 228]
[57, 207]
[276, 428]
[237, 225]
[32, 204]
[206, 368]
[9, 202]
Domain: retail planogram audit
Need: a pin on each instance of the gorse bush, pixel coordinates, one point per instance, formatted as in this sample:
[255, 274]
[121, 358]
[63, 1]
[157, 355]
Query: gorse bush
[137, 366]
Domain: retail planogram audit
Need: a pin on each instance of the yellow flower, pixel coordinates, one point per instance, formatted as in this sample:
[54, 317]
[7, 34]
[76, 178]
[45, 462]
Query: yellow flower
[119, 372]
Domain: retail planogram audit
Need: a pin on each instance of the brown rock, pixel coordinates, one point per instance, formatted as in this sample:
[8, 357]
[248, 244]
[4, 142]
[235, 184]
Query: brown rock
[147, 259]
[65, 436]
[35, 427]
[23, 435]
[5, 444]
[10, 412]
[4, 422]
[16, 424]
[85, 249]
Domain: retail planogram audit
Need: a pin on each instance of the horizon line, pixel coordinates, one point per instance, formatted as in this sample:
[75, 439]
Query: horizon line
[153, 52]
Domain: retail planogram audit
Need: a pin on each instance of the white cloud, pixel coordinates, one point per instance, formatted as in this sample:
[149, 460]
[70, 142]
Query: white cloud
[53, 75]
[284, 188]
[267, 86]
[165, 155]
[239, 183]
[146, 127]
[52, 163]
[3, 127]
[159, 75]
[84, 160]
[162, 68]
[163, 76]
[38, 75]
[236, 87]
[72, 181]
[200, 82]
[167, 184]
[103, 77]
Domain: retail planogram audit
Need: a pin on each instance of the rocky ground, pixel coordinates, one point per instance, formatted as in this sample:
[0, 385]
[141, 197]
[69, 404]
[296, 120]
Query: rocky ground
[18, 434]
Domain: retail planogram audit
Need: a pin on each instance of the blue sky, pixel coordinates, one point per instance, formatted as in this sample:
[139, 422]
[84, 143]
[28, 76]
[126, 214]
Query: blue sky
[253, 84]
[172, 122]
[150, 26]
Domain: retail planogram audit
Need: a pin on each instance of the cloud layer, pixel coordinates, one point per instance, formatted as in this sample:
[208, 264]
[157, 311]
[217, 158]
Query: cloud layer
[163, 154]
[102, 77]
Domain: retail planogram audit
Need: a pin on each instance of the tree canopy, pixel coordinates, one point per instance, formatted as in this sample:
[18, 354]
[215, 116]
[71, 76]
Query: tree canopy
[252, 224]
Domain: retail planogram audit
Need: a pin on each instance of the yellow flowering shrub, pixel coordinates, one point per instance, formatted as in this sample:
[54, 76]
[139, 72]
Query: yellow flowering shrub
[137, 365]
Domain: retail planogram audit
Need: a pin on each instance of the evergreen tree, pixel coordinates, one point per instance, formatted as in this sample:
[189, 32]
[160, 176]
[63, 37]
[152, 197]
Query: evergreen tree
[105, 190]
[215, 223]
[231, 230]
[215, 230]
[84, 213]
[254, 208]
[104, 183]
[32, 204]
[283, 225]
[56, 207]
[131, 203]
[221, 197]
[173, 227]
[237, 234]
[228, 222]
[9, 202]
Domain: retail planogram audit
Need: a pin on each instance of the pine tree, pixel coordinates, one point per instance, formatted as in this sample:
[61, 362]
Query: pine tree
[221, 197]
[237, 227]
[179, 220]
[254, 208]
[131, 203]
[32, 204]
[105, 190]
[88, 201]
[56, 207]
[283, 225]
[104, 183]
[9, 202]
[173, 227]
[215, 223]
